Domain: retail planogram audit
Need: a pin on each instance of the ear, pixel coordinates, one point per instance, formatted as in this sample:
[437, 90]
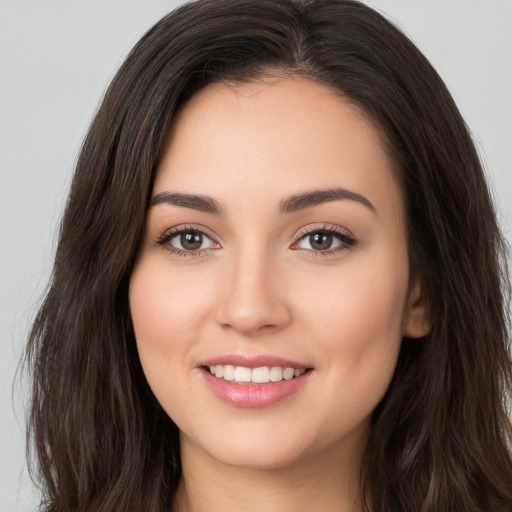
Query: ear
[418, 315]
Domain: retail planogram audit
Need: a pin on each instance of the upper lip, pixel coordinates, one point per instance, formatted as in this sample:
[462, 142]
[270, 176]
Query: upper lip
[253, 361]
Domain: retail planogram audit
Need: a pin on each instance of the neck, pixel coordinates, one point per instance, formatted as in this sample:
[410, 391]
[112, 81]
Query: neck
[315, 483]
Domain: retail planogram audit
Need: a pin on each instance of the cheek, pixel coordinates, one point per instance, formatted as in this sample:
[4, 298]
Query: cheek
[358, 331]
[354, 300]
[166, 313]
[165, 307]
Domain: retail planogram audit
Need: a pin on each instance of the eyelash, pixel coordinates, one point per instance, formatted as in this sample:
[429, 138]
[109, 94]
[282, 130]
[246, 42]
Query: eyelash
[344, 237]
[165, 239]
[346, 240]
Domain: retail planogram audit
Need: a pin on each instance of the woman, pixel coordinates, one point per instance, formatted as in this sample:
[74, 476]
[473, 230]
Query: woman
[279, 281]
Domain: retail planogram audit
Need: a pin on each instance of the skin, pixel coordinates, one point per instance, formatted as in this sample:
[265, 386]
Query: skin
[259, 287]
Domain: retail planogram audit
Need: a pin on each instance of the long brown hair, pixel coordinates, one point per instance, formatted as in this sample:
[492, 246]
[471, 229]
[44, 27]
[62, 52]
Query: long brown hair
[440, 438]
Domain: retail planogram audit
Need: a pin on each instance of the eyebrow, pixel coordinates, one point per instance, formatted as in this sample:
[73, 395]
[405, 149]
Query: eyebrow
[196, 202]
[292, 204]
[316, 197]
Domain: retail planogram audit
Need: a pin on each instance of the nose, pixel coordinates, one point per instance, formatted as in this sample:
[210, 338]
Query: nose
[252, 298]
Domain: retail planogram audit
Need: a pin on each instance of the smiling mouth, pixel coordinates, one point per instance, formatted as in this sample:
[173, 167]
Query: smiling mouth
[261, 375]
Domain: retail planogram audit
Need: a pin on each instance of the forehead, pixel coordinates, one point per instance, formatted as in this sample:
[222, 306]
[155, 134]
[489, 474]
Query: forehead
[274, 137]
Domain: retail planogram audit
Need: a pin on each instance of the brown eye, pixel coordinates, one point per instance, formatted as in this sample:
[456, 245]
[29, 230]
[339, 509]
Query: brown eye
[191, 241]
[188, 241]
[325, 240]
[320, 241]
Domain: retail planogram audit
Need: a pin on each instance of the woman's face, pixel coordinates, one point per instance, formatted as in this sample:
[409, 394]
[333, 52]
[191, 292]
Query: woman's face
[275, 256]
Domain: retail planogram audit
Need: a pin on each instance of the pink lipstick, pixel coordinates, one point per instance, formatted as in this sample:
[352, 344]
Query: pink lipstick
[259, 381]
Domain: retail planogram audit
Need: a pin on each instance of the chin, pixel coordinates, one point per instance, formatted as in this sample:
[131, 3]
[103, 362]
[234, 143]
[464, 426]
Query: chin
[258, 459]
[250, 449]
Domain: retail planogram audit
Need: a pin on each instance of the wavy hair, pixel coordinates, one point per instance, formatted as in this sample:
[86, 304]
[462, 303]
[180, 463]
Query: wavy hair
[440, 438]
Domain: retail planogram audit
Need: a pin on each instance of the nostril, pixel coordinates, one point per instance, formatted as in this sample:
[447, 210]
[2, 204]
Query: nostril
[263, 317]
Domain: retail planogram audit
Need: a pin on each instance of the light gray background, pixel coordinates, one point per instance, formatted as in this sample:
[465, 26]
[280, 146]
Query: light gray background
[56, 58]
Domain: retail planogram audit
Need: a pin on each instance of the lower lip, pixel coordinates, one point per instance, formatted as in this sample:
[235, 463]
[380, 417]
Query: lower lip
[253, 395]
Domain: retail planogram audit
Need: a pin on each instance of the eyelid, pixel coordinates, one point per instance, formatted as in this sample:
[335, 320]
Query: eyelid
[164, 240]
[345, 236]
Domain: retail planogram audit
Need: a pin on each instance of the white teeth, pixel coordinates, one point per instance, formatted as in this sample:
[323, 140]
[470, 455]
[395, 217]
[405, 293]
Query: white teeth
[242, 374]
[288, 373]
[262, 375]
[276, 374]
[229, 372]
